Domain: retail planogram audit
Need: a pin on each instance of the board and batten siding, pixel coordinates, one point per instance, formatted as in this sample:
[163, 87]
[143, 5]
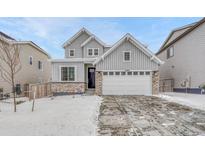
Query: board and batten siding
[76, 44]
[188, 59]
[56, 70]
[139, 61]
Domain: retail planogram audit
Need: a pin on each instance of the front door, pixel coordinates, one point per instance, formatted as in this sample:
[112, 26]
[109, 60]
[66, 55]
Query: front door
[91, 77]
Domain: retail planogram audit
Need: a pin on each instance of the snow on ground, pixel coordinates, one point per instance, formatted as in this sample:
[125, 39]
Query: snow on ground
[193, 100]
[63, 115]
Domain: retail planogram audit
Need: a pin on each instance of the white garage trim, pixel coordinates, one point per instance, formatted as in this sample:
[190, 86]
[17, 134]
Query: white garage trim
[127, 84]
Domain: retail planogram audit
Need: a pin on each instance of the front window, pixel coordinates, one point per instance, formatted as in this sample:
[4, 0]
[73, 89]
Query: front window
[127, 56]
[71, 74]
[67, 73]
[71, 52]
[40, 65]
[170, 52]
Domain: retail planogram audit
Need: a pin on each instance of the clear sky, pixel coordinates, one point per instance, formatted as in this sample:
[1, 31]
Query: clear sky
[51, 33]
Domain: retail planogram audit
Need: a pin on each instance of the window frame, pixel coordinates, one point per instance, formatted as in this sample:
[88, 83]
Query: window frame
[75, 73]
[30, 60]
[124, 56]
[88, 52]
[41, 66]
[97, 51]
[70, 52]
[169, 51]
[93, 52]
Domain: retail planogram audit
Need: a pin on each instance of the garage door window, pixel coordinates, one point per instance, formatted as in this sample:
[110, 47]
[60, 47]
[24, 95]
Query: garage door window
[147, 73]
[135, 73]
[105, 73]
[117, 73]
[141, 73]
[123, 73]
[111, 73]
[129, 73]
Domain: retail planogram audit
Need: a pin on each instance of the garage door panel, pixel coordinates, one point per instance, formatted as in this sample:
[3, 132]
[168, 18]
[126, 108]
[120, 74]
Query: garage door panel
[126, 85]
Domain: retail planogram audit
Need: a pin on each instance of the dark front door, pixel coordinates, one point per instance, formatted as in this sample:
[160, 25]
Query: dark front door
[91, 77]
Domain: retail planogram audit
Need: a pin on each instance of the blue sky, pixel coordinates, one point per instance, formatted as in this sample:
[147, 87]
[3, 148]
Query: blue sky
[51, 33]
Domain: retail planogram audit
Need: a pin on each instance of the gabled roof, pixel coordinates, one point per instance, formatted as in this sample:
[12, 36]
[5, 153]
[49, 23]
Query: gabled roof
[76, 35]
[185, 30]
[175, 33]
[6, 36]
[93, 37]
[35, 46]
[136, 43]
[9, 39]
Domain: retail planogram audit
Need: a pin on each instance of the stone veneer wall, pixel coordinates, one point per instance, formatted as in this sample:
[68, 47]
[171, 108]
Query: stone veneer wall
[98, 83]
[155, 82]
[70, 87]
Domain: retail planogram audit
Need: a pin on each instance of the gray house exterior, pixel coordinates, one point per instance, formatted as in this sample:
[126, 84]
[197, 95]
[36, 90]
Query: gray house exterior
[185, 63]
[91, 64]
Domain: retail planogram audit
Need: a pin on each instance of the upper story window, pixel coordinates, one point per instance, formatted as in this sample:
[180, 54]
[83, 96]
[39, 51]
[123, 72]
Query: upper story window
[170, 52]
[68, 73]
[40, 65]
[90, 52]
[96, 52]
[93, 51]
[127, 56]
[71, 52]
[31, 60]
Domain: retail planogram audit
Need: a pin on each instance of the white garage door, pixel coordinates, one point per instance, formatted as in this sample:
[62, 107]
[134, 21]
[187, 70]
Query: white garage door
[127, 83]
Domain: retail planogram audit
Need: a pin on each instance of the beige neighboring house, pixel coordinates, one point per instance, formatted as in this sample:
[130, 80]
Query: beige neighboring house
[184, 55]
[35, 64]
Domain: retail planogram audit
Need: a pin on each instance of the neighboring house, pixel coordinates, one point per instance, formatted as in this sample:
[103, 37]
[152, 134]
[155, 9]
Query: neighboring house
[183, 53]
[35, 64]
[126, 68]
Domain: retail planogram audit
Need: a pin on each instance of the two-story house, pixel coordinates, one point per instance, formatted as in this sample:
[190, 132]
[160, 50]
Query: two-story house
[183, 53]
[35, 65]
[125, 68]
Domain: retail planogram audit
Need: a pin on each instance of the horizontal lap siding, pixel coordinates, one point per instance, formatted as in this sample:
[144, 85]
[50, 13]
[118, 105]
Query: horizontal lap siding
[139, 61]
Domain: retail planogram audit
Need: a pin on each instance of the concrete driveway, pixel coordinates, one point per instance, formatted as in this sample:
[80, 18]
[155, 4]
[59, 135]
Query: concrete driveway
[147, 115]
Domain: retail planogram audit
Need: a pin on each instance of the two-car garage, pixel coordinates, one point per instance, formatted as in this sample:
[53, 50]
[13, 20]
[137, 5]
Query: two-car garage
[127, 83]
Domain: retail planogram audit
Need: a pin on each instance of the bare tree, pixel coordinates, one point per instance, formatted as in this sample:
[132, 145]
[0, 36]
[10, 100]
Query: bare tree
[10, 63]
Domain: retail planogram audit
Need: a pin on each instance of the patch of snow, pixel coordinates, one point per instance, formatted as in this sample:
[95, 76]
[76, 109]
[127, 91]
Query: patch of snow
[63, 115]
[168, 124]
[192, 100]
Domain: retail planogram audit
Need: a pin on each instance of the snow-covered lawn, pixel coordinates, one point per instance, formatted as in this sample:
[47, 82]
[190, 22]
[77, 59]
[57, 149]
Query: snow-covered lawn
[63, 115]
[193, 100]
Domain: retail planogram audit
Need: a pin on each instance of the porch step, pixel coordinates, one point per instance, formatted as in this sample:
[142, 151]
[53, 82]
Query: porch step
[90, 91]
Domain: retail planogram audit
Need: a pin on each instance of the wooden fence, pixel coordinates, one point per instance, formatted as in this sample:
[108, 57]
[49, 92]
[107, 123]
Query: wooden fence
[166, 85]
[41, 90]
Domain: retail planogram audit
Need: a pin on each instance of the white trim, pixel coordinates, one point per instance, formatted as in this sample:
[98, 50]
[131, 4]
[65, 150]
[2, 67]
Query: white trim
[32, 60]
[124, 56]
[93, 37]
[69, 53]
[87, 76]
[69, 41]
[68, 72]
[91, 60]
[125, 70]
[93, 52]
[134, 42]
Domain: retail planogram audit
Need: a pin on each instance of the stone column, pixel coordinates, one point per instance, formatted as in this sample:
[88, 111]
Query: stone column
[98, 83]
[155, 82]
